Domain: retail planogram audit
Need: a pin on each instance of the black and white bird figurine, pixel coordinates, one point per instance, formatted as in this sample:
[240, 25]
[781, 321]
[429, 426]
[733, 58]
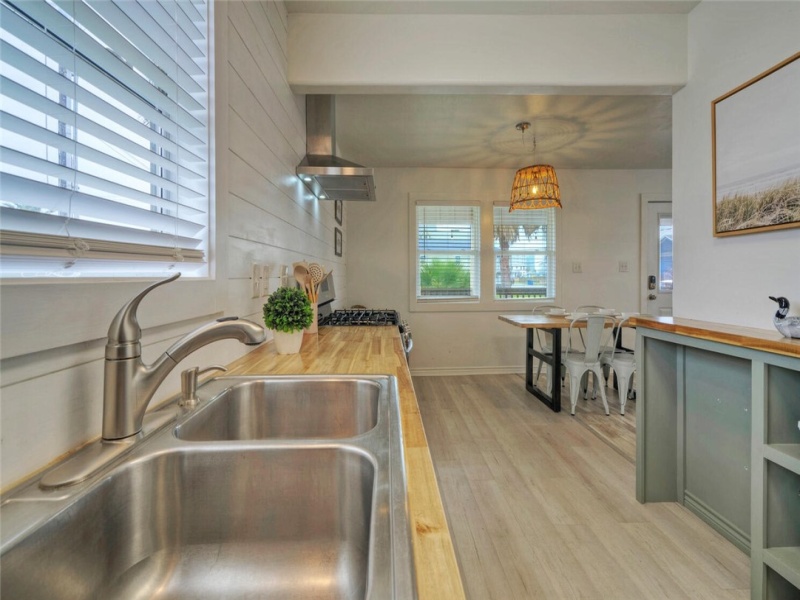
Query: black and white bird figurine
[788, 326]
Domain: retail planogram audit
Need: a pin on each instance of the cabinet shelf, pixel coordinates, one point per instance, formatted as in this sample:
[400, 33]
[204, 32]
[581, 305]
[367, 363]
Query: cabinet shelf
[785, 455]
[785, 562]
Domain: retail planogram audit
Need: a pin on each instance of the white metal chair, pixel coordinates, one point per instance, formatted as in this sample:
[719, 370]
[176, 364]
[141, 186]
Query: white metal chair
[623, 363]
[597, 344]
[590, 309]
[544, 344]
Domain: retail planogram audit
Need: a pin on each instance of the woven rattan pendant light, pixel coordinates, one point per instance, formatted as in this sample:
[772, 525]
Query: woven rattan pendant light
[535, 186]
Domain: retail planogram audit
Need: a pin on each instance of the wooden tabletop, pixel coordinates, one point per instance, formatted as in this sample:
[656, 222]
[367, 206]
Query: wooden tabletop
[531, 321]
[745, 337]
[378, 351]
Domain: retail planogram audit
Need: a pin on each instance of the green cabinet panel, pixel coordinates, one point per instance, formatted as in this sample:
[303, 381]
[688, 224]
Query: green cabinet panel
[717, 413]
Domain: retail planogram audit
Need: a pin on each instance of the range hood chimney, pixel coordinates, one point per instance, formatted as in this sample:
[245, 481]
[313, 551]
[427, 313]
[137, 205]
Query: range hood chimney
[326, 175]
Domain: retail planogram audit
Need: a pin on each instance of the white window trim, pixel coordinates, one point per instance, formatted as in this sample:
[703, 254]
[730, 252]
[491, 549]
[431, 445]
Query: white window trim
[486, 303]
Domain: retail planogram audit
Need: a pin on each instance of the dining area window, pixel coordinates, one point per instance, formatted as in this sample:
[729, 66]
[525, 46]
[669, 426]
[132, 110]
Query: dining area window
[447, 251]
[524, 253]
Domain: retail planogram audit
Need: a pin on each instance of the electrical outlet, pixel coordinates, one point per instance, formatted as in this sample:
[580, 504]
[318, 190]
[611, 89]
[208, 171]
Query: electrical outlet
[265, 280]
[577, 268]
[623, 266]
[284, 275]
[255, 280]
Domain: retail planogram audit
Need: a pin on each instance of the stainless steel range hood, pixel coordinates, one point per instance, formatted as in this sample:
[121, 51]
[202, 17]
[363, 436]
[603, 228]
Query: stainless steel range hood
[326, 175]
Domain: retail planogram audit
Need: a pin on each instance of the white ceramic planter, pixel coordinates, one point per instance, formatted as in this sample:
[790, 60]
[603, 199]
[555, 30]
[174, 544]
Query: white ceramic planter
[288, 343]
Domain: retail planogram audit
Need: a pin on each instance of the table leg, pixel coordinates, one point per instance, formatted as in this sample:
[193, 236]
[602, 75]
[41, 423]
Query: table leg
[552, 400]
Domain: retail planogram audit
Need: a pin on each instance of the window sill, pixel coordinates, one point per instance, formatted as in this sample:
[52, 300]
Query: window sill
[498, 306]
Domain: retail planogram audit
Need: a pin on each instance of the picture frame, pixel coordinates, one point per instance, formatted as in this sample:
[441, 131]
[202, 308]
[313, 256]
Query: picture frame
[337, 211]
[337, 241]
[755, 149]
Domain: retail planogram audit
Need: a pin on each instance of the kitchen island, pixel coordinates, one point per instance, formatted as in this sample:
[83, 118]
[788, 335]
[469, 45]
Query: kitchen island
[718, 411]
[378, 351]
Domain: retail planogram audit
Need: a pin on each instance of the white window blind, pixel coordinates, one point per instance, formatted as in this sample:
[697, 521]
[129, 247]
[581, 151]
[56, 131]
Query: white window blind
[524, 253]
[104, 123]
[448, 251]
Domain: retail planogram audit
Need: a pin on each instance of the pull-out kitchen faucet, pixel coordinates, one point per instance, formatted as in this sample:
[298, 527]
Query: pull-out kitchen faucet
[130, 384]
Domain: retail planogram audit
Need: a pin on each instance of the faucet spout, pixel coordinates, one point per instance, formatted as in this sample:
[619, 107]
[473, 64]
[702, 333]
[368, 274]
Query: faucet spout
[245, 331]
[130, 384]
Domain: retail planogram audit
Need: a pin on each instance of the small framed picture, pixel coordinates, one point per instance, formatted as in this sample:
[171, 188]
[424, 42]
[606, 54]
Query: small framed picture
[337, 241]
[337, 204]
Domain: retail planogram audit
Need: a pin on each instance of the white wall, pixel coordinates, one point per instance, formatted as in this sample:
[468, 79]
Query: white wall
[53, 334]
[727, 279]
[598, 227]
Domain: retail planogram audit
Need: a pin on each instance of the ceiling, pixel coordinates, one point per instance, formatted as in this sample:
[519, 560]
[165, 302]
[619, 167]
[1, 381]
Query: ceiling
[478, 131]
[493, 7]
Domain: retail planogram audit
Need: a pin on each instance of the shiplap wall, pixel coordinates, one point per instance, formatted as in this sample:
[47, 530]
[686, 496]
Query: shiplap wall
[270, 218]
[53, 335]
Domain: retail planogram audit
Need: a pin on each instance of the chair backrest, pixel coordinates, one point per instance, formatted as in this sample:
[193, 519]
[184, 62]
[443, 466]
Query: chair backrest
[589, 308]
[597, 337]
[540, 310]
[543, 308]
[616, 349]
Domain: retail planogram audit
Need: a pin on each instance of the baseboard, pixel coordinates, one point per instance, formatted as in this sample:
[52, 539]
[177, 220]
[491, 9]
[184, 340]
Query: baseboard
[727, 529]
[441, 371]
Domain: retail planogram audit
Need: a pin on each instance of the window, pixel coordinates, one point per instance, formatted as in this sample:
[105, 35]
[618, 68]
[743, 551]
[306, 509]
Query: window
[524, 253]
[447, 251]
[105, 138]
[665, 253]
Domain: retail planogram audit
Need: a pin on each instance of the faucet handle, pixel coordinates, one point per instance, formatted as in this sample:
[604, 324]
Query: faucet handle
[189, 384]
[124, 332]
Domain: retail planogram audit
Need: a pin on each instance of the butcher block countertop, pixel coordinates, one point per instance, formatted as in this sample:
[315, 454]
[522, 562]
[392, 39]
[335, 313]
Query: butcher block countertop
[378, 351]
[744, 337]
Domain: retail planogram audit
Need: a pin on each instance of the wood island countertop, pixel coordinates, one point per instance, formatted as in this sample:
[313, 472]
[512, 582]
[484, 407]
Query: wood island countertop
[744, 337]
[378, 351]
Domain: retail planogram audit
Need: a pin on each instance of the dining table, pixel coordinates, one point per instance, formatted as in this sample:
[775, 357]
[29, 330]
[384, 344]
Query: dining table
[554, 325]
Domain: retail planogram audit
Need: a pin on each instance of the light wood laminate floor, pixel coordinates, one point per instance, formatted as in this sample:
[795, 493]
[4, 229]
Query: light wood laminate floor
[542, 505]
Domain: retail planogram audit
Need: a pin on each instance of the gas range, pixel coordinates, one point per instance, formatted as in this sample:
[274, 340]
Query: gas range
[361, 316]
[370, 317]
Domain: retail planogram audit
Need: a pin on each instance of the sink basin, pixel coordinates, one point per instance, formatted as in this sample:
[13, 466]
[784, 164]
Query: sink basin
[249, 518]
[257, 409]
[189, 525]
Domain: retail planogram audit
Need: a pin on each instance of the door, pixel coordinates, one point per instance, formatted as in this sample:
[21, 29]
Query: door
[656, 256]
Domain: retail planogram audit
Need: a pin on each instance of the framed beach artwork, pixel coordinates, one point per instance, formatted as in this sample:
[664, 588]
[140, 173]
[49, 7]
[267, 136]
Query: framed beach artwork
[755, 132]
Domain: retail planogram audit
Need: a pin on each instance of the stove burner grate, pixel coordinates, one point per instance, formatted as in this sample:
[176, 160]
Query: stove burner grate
[358, 316]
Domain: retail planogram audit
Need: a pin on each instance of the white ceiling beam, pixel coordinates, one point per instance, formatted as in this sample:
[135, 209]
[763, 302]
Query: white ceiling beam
[511, 54]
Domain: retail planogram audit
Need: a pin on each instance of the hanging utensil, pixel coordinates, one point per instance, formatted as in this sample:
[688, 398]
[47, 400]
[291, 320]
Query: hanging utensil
[317, 272]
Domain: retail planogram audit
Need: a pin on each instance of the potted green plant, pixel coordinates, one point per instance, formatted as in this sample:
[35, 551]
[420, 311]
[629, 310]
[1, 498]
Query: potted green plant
[287, 313]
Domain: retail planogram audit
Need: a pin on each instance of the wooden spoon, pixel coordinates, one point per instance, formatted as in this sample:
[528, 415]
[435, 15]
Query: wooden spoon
[301, 272]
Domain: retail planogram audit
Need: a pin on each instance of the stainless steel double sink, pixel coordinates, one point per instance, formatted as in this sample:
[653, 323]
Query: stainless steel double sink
[272, 487]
